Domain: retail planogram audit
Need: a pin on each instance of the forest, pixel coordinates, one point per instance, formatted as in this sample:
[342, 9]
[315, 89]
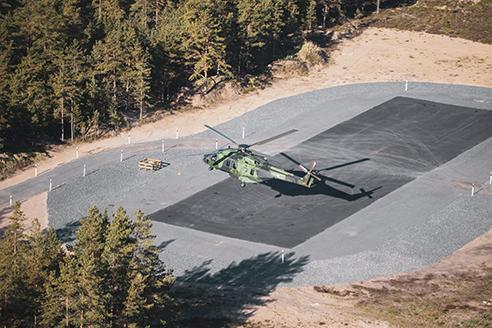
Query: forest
[72, 69]
[110, 275]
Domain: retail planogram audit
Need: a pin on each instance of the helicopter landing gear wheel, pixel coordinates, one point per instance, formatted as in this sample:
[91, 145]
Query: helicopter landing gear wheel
[243, 185]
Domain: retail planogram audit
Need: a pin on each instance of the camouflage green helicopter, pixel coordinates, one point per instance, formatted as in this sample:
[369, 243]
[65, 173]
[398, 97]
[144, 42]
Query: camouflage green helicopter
[249, 166]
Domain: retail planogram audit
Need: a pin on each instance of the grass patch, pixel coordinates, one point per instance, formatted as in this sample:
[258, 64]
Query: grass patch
[460, 300]
[464, 19]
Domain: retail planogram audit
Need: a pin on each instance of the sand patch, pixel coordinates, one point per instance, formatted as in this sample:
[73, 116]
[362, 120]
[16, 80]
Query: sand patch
[34, 207]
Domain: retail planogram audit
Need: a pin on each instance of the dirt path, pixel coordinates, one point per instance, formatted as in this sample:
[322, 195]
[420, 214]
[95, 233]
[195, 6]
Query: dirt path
[375, 55]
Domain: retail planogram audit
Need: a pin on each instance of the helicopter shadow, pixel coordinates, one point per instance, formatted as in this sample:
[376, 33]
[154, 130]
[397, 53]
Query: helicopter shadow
[321, 188]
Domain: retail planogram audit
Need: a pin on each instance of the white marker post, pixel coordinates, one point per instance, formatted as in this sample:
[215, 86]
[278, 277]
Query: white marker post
[35, 170]
[406, 86]
[243, 131]
[473, 189]
[490, 180]
[51, 185]
[177, 134]
[162, 146]
[84, 171]
[121, 155]
[216, 144]
[129, 139]
[77, 152]
[11, 201]
[282, 256]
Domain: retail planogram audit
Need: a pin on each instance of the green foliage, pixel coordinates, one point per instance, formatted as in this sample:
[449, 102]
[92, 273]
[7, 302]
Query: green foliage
[112, 278]
[13, 285]
[311, 54]
[76, 68]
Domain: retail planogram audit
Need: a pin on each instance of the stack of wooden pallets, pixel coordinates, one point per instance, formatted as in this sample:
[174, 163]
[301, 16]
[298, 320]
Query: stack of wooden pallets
[150, 164]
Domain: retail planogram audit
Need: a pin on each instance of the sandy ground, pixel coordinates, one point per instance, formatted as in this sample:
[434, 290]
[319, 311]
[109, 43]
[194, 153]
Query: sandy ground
[35, 207]
[305, 307]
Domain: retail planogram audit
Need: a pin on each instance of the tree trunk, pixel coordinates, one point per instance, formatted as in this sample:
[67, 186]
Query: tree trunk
[66, 312]
[126, 96]
[62, 123]
[71, 127]
[325, 13]
[141, 102]
[206, 81]
[156, 14]
[114, 88]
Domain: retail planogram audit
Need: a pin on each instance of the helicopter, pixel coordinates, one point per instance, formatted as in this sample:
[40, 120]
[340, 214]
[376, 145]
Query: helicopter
[250, 166]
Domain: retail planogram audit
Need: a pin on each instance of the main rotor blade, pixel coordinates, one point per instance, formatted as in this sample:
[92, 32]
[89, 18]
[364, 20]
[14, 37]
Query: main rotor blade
[339, 182]
[221, 134]
[291, 159]
[344, 164]
[273, 138]
[220, 160]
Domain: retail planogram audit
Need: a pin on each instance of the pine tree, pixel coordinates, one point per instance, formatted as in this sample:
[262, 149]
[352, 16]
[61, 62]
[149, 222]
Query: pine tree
[91, 271]
[141, 85]
[311, 20]
[109, 66]
[146, 14]
[51, 306]
[136, 307]
[67, 83]
[108, 12]
[117, 254]
[61, 302]
[204, 44]
[13, 290]
[148, 295]
[262, 24]
[169, 69]
[42, 259]
[5, 113]
[136, 72]
[31, 91]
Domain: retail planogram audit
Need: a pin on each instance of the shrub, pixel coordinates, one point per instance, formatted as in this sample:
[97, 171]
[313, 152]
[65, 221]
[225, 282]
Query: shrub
[311, 54]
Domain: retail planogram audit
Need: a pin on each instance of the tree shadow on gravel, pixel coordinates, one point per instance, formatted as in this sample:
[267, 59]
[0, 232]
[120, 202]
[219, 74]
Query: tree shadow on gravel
[227, 297]
[67, 233]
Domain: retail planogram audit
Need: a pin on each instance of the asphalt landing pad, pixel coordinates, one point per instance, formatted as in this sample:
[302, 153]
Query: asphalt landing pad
[378, 151]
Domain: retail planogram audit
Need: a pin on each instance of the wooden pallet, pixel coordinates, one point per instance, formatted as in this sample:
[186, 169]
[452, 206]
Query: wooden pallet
[150, 164]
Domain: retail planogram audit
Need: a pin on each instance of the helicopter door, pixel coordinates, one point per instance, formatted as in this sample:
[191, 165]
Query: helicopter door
[230, 164]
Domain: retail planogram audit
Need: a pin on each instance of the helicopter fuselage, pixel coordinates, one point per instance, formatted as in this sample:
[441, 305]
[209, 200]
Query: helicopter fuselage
[251, 167]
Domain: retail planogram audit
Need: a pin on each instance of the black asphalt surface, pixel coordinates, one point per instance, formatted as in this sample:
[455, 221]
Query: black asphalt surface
[388, 146]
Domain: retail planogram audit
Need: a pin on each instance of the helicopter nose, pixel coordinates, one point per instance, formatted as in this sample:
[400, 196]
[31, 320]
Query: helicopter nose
[206, 159]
